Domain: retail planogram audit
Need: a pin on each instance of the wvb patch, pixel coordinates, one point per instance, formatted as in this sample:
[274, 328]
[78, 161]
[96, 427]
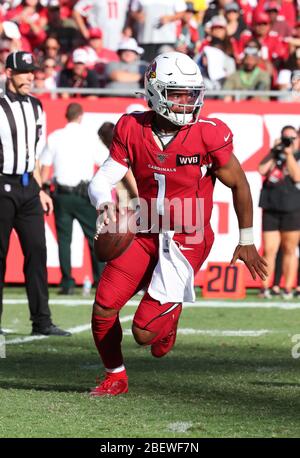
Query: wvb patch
[187, 160]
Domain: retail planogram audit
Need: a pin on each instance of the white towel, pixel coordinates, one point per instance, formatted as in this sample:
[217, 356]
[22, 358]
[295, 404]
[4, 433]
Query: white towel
[173, 277]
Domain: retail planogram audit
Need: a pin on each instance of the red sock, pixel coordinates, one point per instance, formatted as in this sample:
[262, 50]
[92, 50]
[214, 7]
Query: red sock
[163, 324]
[107, 334]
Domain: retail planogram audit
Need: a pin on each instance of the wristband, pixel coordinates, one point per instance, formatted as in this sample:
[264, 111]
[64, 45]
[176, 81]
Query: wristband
[246, 236]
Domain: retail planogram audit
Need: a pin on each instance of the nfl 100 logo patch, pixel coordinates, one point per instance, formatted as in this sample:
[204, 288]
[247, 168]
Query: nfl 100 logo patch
[162, 157]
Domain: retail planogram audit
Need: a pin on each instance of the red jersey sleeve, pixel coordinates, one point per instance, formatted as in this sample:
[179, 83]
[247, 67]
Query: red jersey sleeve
[218, 140]
[119, 150]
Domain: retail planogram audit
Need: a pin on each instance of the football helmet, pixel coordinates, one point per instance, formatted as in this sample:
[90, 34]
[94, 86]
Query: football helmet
[174, 71]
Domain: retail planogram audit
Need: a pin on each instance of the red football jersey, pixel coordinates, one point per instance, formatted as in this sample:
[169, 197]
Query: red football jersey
[171, 180]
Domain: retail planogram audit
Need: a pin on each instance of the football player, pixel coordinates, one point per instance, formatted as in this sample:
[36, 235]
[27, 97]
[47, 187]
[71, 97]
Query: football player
[174, 154]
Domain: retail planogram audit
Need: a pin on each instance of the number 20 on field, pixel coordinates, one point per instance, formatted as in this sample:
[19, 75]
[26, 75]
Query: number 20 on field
[222, 280]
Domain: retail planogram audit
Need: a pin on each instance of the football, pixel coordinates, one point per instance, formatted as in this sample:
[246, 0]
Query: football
[113, 239]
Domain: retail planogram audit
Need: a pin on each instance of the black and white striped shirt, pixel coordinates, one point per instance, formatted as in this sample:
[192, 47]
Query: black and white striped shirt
[21, 132]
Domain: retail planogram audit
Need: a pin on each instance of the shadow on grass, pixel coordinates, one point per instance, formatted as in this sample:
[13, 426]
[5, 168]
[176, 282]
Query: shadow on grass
[22, 385]
[223, 376]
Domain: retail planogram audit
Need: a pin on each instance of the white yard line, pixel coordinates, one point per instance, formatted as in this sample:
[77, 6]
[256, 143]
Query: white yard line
[75, 330]
[182, 331]
[224, 332]
[198, 304]
[217, 332]
[68, 302]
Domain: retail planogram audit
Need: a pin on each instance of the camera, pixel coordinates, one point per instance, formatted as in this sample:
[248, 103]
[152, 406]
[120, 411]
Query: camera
[278, 150]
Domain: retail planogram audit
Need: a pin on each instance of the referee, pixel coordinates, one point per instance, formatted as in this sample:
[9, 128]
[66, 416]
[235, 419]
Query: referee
[22, 203]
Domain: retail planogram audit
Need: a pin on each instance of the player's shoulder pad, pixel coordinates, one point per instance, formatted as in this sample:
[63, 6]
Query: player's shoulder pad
[122, 124]
[129, 118]
[215, 133]
[128, 122]
[211, 125]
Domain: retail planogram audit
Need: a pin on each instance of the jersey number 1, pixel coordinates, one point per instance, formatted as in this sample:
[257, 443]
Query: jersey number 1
[160, 200]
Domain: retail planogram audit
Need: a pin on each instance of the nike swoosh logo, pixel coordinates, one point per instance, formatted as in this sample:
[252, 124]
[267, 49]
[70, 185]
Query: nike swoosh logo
[226, 138]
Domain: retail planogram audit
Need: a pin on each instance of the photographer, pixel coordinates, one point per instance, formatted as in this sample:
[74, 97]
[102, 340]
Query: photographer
[280, 201]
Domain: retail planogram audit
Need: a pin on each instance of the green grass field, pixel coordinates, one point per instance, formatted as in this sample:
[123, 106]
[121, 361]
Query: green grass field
[231, 374]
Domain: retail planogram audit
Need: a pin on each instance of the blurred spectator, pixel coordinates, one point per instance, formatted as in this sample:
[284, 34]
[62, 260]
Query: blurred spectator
[277, 22]
[290, 81]
[62, 26]
[265, 65]
[273, 48]
[225, 63]
[235, 23]
[296, 30]
[156, 23]
[10, 31]
[39, 85]
[110, 17]
[39, 79]
[129, 71]
[294, 40]
[295, 90]
[4, 52]
[188, 39]
[215, 67]
[217, 36]
[252, 43]
[98, 56]
[31, 18]
[215, 8]
[65, 6]
[79, 76]
[249, 76]
[288, 9]
[51, 73]
[51, 50]
[6, 5]
[96, 51]
[284, 80]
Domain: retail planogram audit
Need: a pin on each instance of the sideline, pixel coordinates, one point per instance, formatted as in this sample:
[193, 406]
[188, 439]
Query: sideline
[198, 304]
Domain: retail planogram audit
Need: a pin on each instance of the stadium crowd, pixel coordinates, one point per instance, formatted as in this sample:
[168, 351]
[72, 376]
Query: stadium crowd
[243, 44]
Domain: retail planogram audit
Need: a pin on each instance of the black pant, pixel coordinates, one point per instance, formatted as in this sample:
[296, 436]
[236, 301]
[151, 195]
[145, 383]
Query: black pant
[67, 207]
[20, 209]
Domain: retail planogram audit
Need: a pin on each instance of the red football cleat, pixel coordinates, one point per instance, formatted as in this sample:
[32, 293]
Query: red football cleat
[112, 385]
